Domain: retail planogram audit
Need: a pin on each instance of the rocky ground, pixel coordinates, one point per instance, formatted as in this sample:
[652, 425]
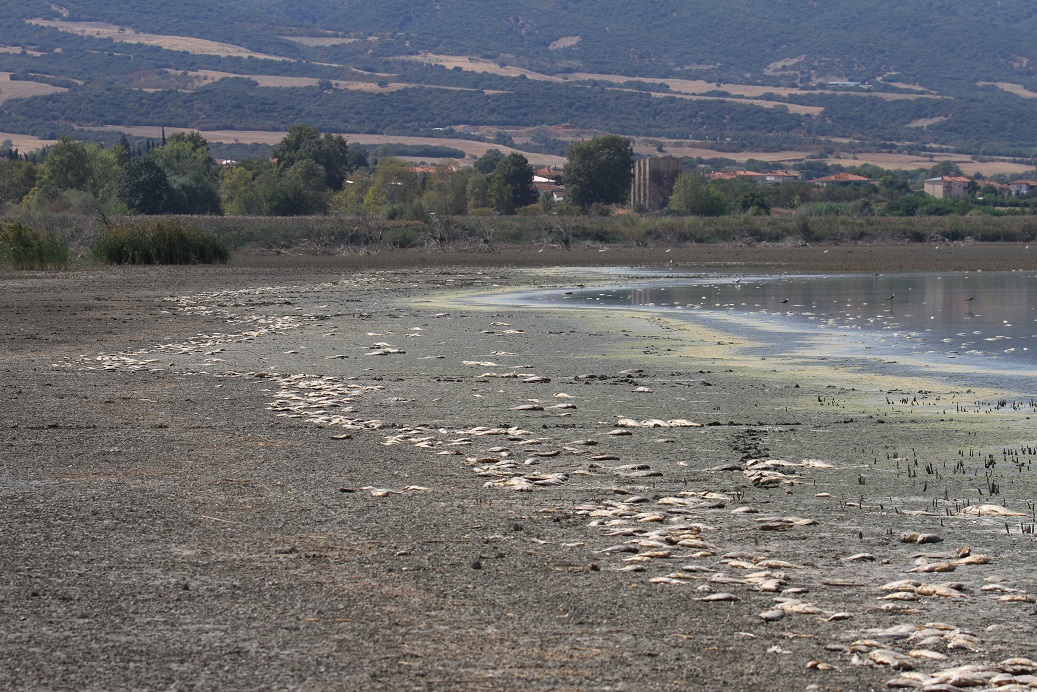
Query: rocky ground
[362, 479]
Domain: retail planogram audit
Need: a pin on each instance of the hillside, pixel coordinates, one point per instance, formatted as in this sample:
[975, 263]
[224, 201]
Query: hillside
[745, 74]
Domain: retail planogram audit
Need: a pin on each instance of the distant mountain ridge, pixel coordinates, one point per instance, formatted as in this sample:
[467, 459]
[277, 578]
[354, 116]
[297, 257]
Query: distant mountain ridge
[934, 43]
[743, 73]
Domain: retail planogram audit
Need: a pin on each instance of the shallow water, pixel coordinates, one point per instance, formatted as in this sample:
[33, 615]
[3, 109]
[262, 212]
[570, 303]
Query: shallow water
[980, 324]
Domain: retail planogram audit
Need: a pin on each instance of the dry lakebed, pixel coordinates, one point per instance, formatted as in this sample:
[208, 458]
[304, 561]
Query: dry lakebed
[321, 478]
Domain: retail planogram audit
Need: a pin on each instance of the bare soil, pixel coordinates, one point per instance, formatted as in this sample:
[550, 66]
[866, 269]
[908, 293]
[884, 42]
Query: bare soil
[209, 478]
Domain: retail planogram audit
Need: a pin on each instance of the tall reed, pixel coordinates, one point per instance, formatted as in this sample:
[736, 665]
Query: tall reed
[23, 248]
[159, 242]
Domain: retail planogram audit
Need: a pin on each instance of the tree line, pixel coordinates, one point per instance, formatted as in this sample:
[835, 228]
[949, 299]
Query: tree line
[313, 173]
[307, 173]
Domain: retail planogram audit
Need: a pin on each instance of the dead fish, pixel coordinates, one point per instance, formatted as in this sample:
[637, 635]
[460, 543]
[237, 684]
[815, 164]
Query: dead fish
[934, 567]
[1017, 666]
[714, 597]
[528, 407]
[727, 467]
[658, 554]
[772, 615]
[991, 511]
[938, 590]
[802, 609]
[820, 665]
[926, 653]
[860, 557]
[666, 580]
[900, 596]
[901, 585]
[777, 564]
[836, 617]
[1017, 598]
[885, 657]
[622, 548]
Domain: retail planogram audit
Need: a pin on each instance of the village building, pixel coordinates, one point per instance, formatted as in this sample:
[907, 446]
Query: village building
[769, 178]
[948, 187]
[554, 190]
[840, 179]
[1022, 187]
[547, 175]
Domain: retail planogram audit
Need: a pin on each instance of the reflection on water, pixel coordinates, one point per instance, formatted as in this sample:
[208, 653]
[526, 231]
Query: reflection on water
[988, 318]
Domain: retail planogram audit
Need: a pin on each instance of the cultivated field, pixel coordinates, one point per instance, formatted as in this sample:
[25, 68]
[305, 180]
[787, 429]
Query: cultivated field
[127, 35]
[22, 90]
[319, 41]
[1017, 89]
[698, 86]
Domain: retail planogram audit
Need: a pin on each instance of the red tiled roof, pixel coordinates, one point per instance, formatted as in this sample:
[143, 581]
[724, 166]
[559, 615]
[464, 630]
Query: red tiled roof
[842, 178]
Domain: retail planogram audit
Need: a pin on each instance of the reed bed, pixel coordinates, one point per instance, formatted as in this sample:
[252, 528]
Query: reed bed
[339, 235]
[26, 249]
[159, 242]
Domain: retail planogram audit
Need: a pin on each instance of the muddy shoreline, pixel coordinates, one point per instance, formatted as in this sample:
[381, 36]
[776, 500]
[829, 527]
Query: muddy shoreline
[316, 476]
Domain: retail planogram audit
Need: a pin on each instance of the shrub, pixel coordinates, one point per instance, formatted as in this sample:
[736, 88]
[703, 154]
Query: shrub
[163, 242]
[24, 248]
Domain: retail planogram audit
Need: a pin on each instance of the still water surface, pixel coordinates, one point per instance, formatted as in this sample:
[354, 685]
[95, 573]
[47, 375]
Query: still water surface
[980, 324]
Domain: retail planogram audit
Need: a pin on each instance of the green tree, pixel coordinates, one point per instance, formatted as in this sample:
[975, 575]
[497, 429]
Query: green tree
[143, 186]
[753, 202]
[17, 178]
[511, 185]
[393, 183]
[305, 142]
[944, 168]
[599, 171]
[350, 199]
[247, 189]
[446, 190]
[89, 170]
[192, 173]
[301, 191]
[65, 167]
[692, 194]
[487, 163]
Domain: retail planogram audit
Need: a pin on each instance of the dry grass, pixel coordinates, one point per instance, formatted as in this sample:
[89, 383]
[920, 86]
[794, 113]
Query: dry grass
[18, 49]
[478, 65]
[564, 42]
[319, 41]
[793, 107]
[204, 77]
[699, 86]
[25, 143]
[126, 35]
[22, 90]
[1017, 89]
[926, 122]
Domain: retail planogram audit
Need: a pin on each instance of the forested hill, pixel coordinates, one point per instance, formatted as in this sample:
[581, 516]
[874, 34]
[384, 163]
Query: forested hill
[755, 73]
[935, 43]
